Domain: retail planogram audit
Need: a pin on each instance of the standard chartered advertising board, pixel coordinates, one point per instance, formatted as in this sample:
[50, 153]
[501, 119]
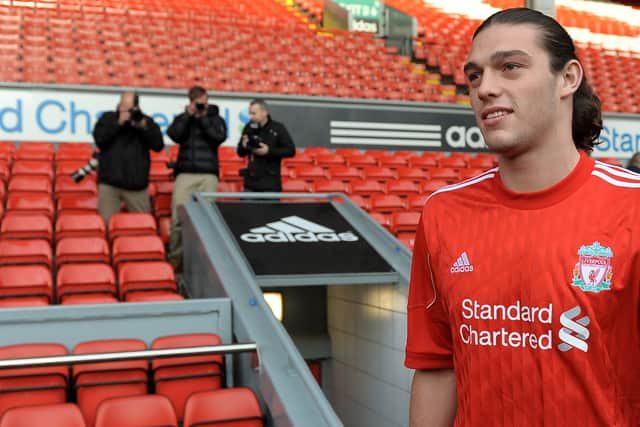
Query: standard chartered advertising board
[51, 113]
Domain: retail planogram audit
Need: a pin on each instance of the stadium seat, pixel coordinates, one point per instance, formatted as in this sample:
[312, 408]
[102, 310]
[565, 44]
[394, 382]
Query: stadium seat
[386, 203]
[360, 201]
[131, 224]
[366, 188]
[82, 249]
[23, 387]
[424, 163]
[22, 154]
[429, 187]
[450, 175]
[382, 219]
[21, 302]
[39, 146]
[178, 377]
[159, 156]
[330, 186]
[18, 281]
[34, 251]
[452, 162]
[159, 171]
[297, 160]
[66, 185]
[39, 203]
[137, 248]
[5, 172]
[470, 173]
[136, 411]
[408, 241]
[361, 161]
[164, 229]
[231, 172]
[381, 174]
[162, 205]
[344, 173]
[295, 186]
[404, 222]
[145, 276]
[151, 296]
[55, 415]
[74, 204]
[164, 187]
[33, 168]
[393, 161]
[229, 187]
[95, 382]
[316, 151]
[233, 407]
[326, 160]
[94, 278]
[416, 175]
[29, 184]
[79, 225]
[403, 188]
[416, 203]
[309, 173]
[67, 167]
[348, 152]
[481, 162]
[82, 156]
[20, 226]
[78, 299]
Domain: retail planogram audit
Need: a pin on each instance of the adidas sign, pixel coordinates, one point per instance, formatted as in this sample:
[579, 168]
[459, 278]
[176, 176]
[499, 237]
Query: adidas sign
[296, 229]
[462, 265]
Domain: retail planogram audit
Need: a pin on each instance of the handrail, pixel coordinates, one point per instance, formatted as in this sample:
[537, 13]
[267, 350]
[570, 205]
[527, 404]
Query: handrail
[31, 362]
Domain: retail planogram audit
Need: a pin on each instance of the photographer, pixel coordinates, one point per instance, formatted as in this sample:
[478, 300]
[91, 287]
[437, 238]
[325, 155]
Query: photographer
[199, 131]
[124, 138]
[266, 142]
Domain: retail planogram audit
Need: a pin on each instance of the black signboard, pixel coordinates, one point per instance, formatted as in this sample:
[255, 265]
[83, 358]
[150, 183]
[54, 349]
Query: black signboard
[299, 238]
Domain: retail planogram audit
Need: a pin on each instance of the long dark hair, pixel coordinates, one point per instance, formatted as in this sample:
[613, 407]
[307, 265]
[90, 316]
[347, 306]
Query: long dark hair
[586, 123]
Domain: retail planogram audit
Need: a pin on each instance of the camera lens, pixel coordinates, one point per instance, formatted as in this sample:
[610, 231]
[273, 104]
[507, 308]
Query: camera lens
[200, 106]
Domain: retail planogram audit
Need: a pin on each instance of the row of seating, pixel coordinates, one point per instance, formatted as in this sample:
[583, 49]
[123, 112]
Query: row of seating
[90, 384]
[235, 407]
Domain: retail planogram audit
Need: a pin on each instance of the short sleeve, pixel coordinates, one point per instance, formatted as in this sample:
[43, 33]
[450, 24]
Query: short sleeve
[429, 342]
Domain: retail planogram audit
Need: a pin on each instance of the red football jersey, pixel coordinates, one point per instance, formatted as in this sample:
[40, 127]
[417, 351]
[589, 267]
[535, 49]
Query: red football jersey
[533, 299]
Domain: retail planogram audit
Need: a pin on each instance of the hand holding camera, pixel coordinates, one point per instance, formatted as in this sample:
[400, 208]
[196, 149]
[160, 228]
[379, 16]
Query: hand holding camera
[137, 118]
[197, 109]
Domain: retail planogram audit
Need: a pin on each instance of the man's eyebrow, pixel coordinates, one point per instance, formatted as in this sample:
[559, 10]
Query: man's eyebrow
[498, 56]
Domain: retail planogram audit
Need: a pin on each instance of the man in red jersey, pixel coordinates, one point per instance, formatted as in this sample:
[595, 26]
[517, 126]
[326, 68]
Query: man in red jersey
[524, 302]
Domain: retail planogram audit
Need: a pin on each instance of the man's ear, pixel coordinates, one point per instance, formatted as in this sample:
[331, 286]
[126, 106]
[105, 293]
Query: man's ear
[572, 75]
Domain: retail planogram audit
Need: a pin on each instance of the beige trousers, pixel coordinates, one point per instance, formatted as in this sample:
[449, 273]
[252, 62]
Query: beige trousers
[186, 184]
[110, 199]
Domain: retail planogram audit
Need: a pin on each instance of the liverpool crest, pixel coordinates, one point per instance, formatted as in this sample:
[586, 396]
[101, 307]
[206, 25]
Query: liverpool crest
[593, 272]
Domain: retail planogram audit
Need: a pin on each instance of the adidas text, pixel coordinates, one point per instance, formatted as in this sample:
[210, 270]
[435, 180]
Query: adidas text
[462, 269]
[281, 237]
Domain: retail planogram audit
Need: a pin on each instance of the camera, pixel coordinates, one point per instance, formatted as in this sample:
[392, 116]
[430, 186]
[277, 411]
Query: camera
[91, 166]
[201, 106]
[254, 138]
[136, 114]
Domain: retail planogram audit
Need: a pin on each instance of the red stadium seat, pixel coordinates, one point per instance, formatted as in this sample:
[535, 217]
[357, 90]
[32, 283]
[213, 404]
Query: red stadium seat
[386, 203]
[23, 387]
[360, 201]
[316, 151]
[74, 204]
[416, 175]
[164, 187]
[96, 382]
[366, 188]
[68, 167]
[429, 187]
[448, 174]
[146, 276]
[85, 188]
[299, 159]
[423, 162]
[231, 172]
[17, 281]
[362, 161]
[162, 205]
[403, 222]
[82, 249]
[403, 188]
[150, 296]
[21, 302]
[178, 377]
[408, 241]
[30, 204]
[55, 415]
[470, 173]
[33, 167]
[131, 224]
[136, 411]
[40, 146]
[137, 248]
[95, 278]
[344, 173]
[164, 229]
[5, 173]
[326, 160]
[30, 154]
[378, 173]
[416, 203]
[19, 226]
[30, 184]
[79, 225]
[233, 407]
[77, 299]
[295, 186]
[36, 251]
[452, 162]
[309, 173]
[159, 156]
[330, 186]
[159, 171]
[348, 151]
[393, 161]
[483, 162]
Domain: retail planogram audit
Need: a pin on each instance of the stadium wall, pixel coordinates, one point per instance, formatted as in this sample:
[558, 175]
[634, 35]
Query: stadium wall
[68, 113]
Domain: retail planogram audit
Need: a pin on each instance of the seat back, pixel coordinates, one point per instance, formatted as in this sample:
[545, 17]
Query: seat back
[92, 278]
[135, 411]
[20, 226]
[146, 276]
[82, 249]
[56, 415]
[131, 224]
[232, 407]
[137, 248]
[26, 281]
[36, 251]
[79, 225]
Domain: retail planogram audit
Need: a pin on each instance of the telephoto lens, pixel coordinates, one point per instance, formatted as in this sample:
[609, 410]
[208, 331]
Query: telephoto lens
[79, 175]
[136, 114]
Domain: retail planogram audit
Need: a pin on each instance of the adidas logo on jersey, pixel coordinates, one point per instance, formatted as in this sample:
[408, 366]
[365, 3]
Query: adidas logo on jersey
[462, 265]
[295, 229]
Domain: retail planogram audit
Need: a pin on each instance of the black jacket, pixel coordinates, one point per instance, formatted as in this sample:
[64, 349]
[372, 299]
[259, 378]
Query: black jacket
[263, 172]
[199, 139]
[124, 151]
